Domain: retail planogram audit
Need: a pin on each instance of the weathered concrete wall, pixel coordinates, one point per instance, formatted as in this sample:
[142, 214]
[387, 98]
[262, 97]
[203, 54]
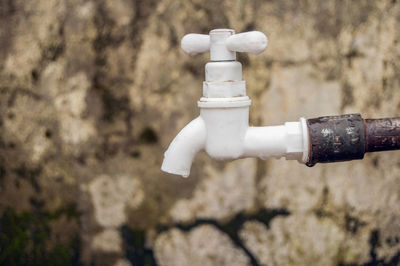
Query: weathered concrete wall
[92, 92]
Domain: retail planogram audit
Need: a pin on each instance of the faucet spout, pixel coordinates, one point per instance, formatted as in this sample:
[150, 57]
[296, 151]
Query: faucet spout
[180, 154]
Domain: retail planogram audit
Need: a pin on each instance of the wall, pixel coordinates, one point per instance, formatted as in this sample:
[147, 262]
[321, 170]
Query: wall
[92, 92]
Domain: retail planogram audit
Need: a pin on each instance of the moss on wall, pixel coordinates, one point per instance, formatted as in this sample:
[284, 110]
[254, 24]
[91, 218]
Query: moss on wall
[25, 238]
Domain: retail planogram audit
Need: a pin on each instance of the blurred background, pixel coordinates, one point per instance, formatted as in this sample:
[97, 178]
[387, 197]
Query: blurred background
[92, 93]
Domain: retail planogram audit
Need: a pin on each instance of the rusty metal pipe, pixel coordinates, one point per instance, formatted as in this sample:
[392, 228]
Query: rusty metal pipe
[382, 134]
[349, 137]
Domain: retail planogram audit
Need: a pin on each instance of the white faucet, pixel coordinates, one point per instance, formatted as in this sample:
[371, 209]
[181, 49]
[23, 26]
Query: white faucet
[222, 129]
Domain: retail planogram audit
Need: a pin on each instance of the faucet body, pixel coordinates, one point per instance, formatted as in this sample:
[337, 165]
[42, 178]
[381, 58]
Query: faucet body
[222, 129]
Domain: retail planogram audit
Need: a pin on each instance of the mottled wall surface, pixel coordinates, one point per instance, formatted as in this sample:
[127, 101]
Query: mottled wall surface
[92, 92]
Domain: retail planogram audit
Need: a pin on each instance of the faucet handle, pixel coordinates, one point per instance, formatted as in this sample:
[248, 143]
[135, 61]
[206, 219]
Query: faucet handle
[224, 43]
[253, 42]
[193, 43]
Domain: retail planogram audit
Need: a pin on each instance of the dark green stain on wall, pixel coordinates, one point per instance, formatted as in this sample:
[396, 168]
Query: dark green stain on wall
[135, 247]
[25, 237]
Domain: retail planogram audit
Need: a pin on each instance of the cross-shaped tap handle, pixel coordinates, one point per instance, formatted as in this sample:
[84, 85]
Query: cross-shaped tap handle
[224, 43]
